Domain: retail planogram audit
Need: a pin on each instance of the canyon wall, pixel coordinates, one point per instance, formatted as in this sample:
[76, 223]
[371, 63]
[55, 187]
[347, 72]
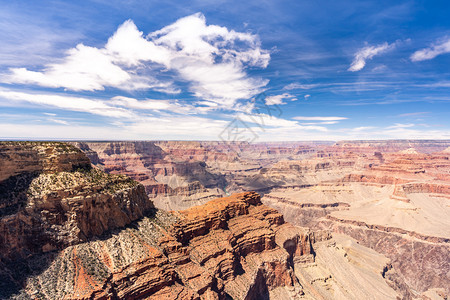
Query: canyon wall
[171, 180]
[391, 191]
[79, 233]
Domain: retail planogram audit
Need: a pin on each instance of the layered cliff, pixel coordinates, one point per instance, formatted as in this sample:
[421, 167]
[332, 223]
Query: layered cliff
[51, 198]
[228, 248]
[396, 203]
[79, 233]
[387, 194]
[165, 173]
[231, 247]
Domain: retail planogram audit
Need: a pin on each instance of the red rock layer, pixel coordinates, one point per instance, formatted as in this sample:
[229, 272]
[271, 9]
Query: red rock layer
[230, 247]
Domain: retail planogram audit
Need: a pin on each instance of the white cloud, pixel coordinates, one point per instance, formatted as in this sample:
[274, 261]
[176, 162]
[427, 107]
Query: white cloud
[142, 104]
[263, 120]
[362, 128]
[212, 59]
[431, 52]
[80, 104]
[307, 97]
[302, 118]
[295, 86]
[414, 114]
[399, 125]
[157, 105]
[366, 53]
[58, 121]
[83, 69]
[321, 123]
[278, 99]
[129, 47]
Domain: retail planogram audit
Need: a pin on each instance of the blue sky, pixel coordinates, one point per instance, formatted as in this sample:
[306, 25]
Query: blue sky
[224, 70]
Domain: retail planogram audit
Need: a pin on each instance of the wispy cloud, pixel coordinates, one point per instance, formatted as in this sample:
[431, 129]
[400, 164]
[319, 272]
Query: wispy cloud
[93, 106]
[366, 53]
[441, 47]
[399, 125]
[296, 86]
[321, 123]
[362, 128]
[414, 114]
[58, 121]
[158, 105]
[302, 118]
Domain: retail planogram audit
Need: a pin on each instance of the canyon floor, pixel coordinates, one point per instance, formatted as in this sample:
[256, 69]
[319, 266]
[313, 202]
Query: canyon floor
[346, 220]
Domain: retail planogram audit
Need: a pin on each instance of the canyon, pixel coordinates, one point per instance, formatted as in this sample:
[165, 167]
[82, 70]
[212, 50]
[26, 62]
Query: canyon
[390, 196]
[177, 220]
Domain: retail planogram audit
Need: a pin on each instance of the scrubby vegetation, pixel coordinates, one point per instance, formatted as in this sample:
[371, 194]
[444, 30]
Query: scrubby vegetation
[60, 147]
[80, 179]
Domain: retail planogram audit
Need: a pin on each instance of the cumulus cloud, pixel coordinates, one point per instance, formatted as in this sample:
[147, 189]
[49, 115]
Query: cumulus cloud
[210, 58]
[84, 69]
[366, 53]
[213, 59]
[278, 99]
[442, 47]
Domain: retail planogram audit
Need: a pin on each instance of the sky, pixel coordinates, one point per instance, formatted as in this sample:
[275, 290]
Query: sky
[224, 70]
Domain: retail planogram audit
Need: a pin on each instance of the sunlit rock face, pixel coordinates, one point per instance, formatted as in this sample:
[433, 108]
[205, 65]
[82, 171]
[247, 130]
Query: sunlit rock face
[80, 233]
[233, 247]
[391, 191]
[70, 230]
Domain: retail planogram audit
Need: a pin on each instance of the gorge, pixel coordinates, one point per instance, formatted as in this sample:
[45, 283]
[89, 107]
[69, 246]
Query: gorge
[177, 220]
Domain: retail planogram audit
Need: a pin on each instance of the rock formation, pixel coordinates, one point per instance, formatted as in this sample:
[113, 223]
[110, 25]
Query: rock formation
[79, 233]
[391, 196]
[51, 198]
[171, 180]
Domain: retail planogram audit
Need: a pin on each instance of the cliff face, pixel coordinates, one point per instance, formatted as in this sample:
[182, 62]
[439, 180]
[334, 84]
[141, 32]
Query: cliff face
[165, 175]
[80, 233]
[392, 192]
[396, 203]
[231, 247]
[30, 157]
[51, 198]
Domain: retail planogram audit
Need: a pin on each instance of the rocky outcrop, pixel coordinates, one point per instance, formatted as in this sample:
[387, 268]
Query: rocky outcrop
[82, 234]
[39, 157]
[418, 187]
[53, 198]
[372, 178]
[230, 247]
